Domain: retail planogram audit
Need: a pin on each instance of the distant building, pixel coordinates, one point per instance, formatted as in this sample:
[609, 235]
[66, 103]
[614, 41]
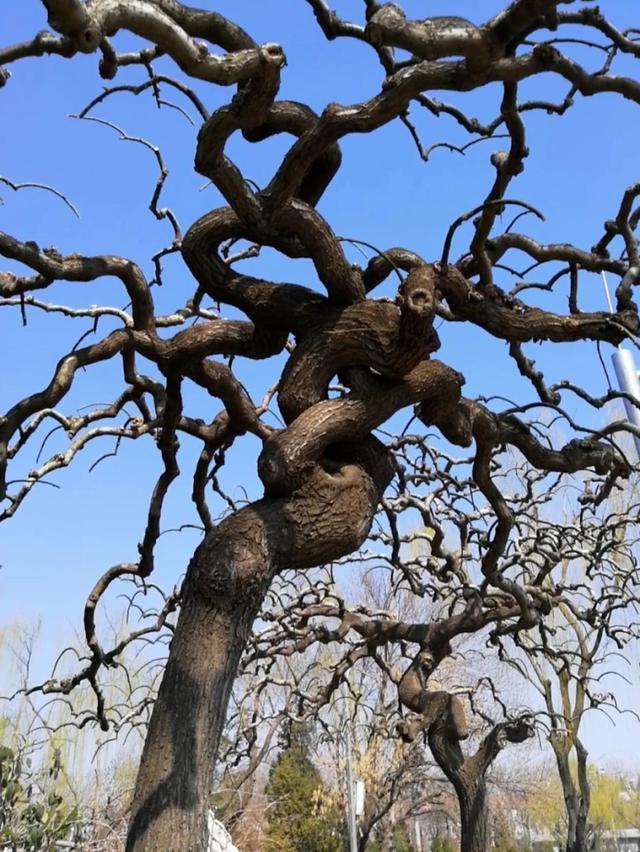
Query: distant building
[622, 840]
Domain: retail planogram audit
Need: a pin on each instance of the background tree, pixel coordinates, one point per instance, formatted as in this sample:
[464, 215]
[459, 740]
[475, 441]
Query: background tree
[59, 783]
[323, 471]
[302, 816]
[614, 804]
[436, 711]
[584, 566]
[573, 658]
[442, 844]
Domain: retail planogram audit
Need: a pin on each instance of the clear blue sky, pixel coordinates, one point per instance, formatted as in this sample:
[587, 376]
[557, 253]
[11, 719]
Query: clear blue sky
[60, 541]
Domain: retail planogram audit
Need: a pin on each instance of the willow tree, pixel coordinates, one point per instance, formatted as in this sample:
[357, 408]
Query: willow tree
[323, 471]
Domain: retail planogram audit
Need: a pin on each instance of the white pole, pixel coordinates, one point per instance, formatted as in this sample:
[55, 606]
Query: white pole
[351, 804]
[605, 284]
[418, 835]
[626, 374]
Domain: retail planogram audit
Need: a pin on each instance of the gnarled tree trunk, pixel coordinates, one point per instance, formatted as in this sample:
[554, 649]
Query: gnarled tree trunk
[174, 779]
[328, 516]
[577, 796]
[474, 816]
[467, 777]
[468, 774]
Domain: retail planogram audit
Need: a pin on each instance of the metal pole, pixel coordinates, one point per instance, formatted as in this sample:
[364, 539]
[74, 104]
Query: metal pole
[351, 804]
[627, 376]
[626, 371]
[418, 835]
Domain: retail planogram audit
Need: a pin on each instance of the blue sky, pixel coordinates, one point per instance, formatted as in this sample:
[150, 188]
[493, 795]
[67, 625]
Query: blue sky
[60, 541]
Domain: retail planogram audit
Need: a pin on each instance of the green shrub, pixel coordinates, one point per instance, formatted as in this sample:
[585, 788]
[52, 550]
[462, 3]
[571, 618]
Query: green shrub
[33, 814]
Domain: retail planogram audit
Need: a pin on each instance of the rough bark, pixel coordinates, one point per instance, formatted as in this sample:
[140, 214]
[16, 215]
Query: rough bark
[467, 781]
[174, 779]
[468, 773]
[474, 815]
[328, 516]
[470, 788]
[576, 793]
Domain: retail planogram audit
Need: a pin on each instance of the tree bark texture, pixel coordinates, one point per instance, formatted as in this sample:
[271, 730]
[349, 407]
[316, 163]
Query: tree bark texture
[576, 793]
[174, 779]
[468, 773]
[474, 816]
[468, 778]
[328, 516]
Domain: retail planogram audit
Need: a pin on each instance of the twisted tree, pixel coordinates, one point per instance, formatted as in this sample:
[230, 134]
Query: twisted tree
[324, 473]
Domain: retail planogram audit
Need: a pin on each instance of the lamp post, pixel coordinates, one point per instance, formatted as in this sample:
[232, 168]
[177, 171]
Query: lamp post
[626, 373]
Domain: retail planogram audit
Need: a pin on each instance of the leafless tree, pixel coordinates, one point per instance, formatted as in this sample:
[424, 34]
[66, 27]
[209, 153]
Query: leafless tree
[405, 703]
[583, 571]
[564, 733]
[302, 659]
[324, 474]
[573, 661]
